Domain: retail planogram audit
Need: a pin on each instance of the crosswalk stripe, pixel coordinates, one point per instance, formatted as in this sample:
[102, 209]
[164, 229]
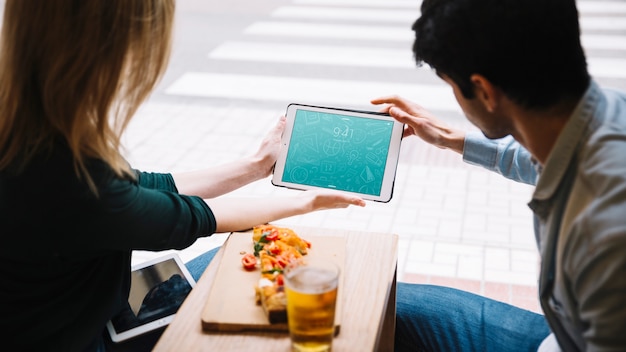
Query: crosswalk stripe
[607, 67]
[604, 42]
[331, 31]
[610, 23]
[308, 90]
[388, 33]
[363, 3]
[585, 7]
[360, 56]
[314, 54]
[593, 7]
[341, 13]
[605, 23]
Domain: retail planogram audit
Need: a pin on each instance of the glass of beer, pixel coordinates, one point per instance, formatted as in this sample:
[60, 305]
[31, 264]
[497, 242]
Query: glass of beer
[311, 290]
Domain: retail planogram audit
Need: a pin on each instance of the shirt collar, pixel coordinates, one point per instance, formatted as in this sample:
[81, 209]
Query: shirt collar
[566, 144]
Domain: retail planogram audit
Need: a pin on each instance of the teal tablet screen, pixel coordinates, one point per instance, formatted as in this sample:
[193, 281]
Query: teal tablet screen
[338, 151]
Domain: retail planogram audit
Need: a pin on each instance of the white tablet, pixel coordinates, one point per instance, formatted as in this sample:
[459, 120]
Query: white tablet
[341, 149]
[157, 289]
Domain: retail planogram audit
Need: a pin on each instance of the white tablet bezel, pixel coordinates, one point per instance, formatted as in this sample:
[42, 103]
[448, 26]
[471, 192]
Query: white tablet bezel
[160, 322]
[391, 162]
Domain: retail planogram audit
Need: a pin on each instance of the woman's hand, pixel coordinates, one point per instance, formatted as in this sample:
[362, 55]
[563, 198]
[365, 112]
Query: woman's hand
[319, 200]
[265, 157]
[420, 122]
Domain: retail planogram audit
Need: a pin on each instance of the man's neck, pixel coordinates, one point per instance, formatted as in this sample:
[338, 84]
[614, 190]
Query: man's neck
[538, 131]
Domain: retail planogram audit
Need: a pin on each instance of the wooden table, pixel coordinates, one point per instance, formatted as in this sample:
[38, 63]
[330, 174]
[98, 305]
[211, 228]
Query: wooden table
[369, 303]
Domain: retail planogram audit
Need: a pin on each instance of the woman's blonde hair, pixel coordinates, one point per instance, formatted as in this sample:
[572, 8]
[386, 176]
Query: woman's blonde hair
[76, 71]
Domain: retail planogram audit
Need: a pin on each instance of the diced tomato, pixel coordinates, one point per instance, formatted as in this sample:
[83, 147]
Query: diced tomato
[308, 244]
[249, 261]
[280, 280]
[272, 236]
[281, 261]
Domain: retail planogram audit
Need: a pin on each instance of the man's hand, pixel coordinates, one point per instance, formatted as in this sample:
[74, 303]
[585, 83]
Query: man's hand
[420, 122]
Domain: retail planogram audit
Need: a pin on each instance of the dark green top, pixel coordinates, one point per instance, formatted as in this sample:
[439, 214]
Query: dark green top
[65, 253]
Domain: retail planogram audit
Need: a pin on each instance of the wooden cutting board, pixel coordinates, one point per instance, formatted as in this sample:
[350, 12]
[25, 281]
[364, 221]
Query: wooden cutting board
[231, 304]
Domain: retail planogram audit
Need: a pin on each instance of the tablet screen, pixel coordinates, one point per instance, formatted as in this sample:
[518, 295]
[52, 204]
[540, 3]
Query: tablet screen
[157, 291]
[339, 149]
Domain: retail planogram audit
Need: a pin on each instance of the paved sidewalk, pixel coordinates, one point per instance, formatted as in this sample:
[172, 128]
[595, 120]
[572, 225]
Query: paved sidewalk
[459, 225]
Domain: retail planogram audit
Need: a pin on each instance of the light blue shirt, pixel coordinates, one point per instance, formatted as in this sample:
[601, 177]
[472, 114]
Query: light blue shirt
[580, 220]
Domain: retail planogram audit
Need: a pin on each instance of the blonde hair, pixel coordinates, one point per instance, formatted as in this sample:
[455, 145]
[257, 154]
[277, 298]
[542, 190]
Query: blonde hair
[76, 71]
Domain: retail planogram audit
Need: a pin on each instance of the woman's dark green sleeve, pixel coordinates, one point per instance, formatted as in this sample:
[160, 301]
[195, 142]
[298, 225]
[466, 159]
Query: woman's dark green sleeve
[152, 180]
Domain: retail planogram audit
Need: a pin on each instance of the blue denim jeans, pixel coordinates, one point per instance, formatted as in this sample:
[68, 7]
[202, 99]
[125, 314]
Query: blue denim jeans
[436, 318]
[197, 265]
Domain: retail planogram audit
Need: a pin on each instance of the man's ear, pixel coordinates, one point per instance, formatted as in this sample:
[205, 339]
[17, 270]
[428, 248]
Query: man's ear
[486, 92]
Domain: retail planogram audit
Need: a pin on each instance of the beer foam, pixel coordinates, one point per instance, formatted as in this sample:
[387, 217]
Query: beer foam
[311, 280]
